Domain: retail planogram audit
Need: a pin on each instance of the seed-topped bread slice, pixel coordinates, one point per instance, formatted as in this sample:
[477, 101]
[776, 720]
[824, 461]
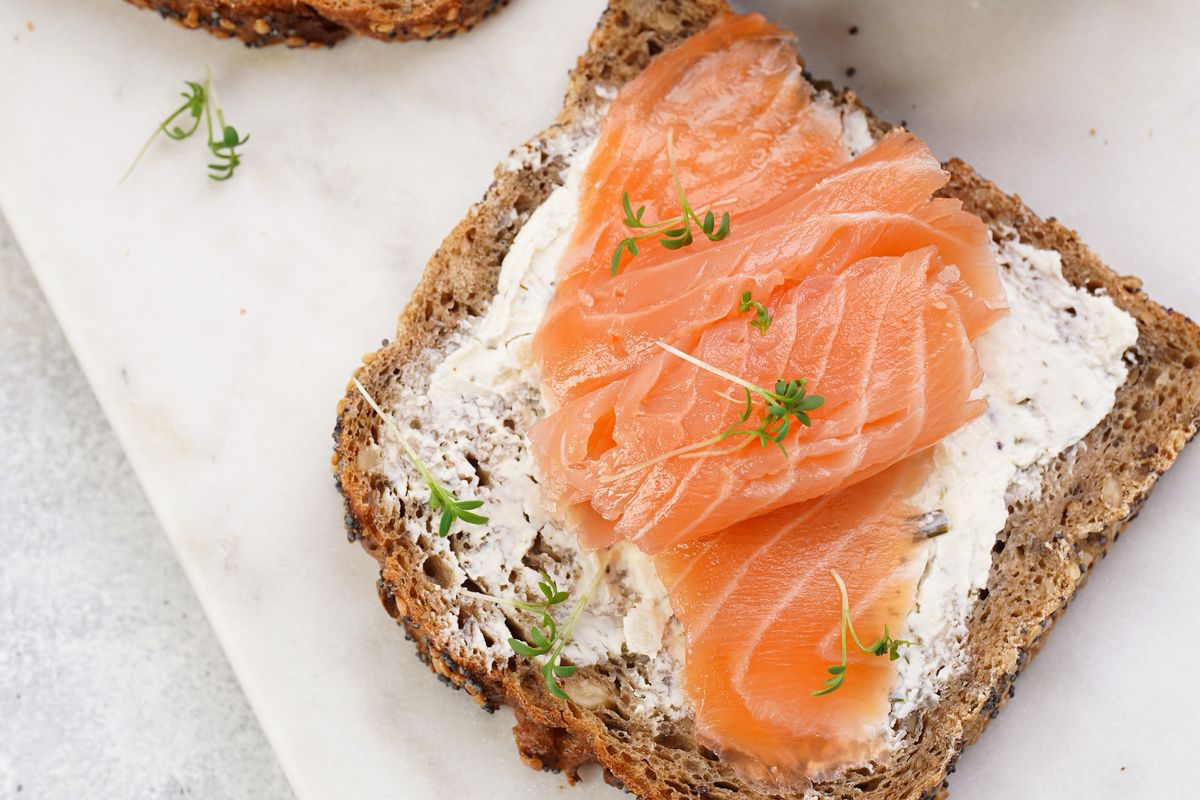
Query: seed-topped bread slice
[1040, 559]
[321, 23]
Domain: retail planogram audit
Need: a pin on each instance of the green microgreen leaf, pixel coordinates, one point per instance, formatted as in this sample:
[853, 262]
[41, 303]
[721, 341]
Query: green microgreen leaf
[539, 639]
[552, 682]
[549, 639]
[762, 317]
[674, 233]
[522, 649]
[626, 244]
[201, 102]
[722, 231]
[780, 408]
[632, 219]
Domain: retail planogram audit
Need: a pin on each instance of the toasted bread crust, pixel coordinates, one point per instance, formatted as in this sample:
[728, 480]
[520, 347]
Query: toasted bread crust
[1041, 559]
[322, 23]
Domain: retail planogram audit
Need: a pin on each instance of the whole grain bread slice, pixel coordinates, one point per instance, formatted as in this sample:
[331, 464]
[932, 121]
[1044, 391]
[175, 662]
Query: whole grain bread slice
[320, 23]
[1040, 560]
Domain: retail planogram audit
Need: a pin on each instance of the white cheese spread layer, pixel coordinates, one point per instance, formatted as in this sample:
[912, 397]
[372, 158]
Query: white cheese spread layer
[491, 370]
[1051, 369]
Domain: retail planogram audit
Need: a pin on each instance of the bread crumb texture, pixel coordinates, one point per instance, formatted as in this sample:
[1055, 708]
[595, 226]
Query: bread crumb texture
[322, 23]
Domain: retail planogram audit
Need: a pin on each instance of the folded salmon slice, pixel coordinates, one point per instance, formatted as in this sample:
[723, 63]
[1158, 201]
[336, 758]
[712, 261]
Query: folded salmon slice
[745, 128]
[761, 615]
[744, 123]
[823, 240]
[884, 342]
[599, 327]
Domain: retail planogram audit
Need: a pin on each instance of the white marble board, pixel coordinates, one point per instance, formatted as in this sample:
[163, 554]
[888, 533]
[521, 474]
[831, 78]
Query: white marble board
[218, 324]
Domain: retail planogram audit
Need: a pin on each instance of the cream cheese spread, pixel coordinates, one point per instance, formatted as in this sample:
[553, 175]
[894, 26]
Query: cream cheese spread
[1051, 369]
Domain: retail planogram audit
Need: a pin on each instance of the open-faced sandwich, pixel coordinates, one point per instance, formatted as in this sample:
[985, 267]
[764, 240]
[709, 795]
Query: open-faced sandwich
[741, 446]
[320, 23]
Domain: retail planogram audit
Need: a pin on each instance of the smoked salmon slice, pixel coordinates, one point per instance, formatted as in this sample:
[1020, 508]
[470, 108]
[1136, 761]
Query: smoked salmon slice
[873, 291]
[884, 342]
[745, 129]
[879, 204]
[744, 122]
[877, 290]
[761, 615]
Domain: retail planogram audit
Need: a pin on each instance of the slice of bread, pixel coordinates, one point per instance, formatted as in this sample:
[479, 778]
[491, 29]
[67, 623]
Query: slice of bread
[320, 23]
[1041, 558]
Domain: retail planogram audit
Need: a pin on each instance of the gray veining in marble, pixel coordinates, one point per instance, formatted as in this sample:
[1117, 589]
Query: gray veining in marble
[111, 681]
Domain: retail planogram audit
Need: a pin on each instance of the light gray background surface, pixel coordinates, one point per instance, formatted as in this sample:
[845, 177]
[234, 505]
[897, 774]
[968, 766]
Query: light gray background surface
[111, 681]
[362, 158]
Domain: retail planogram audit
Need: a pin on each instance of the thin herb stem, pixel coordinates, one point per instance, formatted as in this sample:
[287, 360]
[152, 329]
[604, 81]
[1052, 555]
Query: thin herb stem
[577, 612]
[720, 373]
[548, 638]
[524, 605]
[162, 127]
[788, 402]
[195, 100]
[881, 646]
[846, 615]
[395, 429]
[207, 109]
[440, 498]
[728, 451]
[211, 88]
[677, 452]
[677, 231]
[683, 203]
[656, 228]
